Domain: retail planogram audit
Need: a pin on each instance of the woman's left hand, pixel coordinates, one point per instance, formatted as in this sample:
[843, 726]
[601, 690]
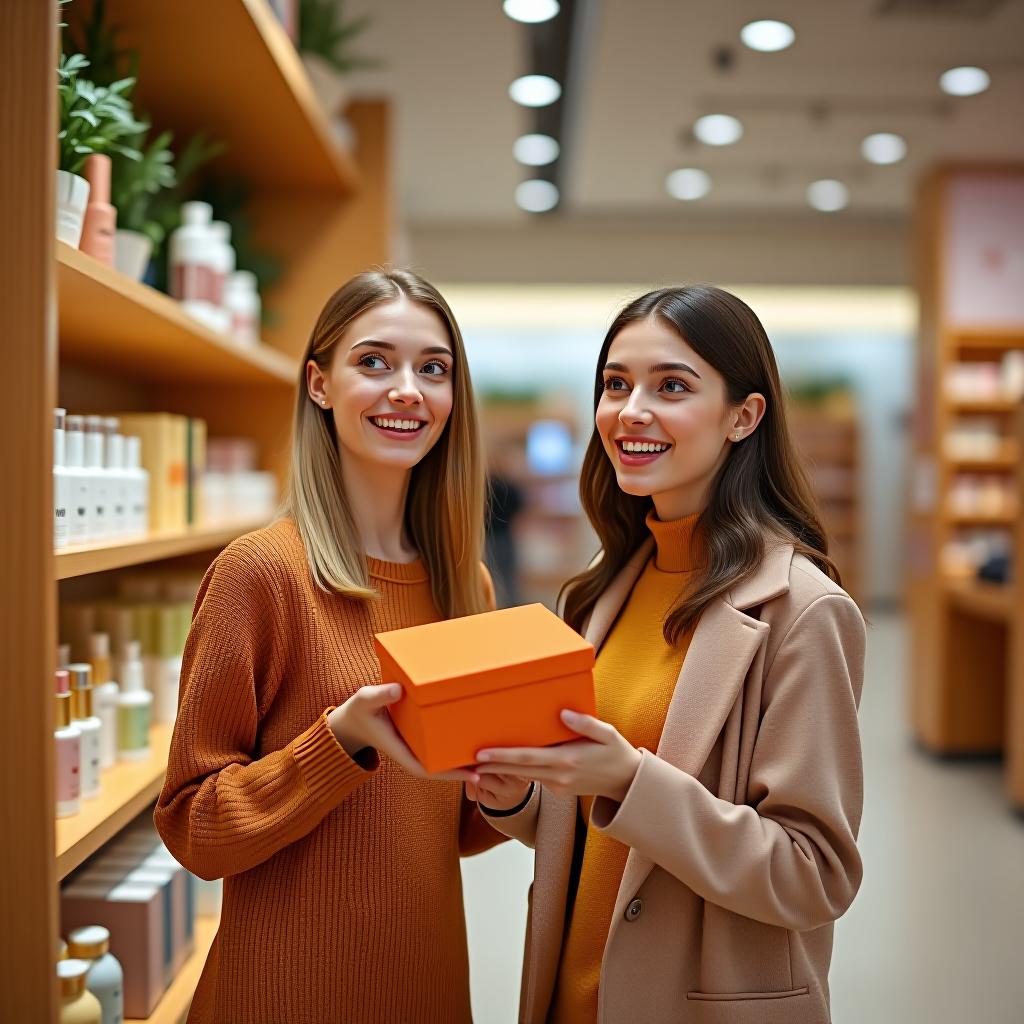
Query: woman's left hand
[601, 764]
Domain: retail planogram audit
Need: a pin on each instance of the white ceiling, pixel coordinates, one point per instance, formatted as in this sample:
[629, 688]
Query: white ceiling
[649, 74]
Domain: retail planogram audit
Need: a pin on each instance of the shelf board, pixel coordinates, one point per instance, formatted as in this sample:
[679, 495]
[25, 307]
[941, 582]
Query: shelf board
[81, 561]
[175, 1002]
[980, 518]
[1004, 461]
[969, 338]
[108, 320]
[229, 70]
[127, 789]
[993, 601]
[992, 406]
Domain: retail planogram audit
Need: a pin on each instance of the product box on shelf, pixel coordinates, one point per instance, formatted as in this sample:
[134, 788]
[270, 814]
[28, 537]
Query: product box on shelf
[490, 680]
[165, 457]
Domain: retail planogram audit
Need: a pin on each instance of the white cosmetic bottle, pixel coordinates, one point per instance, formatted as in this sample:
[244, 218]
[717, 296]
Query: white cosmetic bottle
[80, 520]
[68, 739]
[118, 478]
[89, 726]
[105, 979]
[134, 708]
[104, 697]
[61, 484]
[100, 477]
[138, 488]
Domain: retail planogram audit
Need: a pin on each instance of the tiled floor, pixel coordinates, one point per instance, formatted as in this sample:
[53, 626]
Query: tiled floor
[936, 935]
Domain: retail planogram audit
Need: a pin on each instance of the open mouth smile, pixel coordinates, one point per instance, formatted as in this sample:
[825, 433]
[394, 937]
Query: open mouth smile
[397, 427]
[640, 451]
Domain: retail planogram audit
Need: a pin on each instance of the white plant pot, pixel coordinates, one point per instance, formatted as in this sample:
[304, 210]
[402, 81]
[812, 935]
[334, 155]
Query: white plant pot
[131, 253]
[72, 199]
[328, 85]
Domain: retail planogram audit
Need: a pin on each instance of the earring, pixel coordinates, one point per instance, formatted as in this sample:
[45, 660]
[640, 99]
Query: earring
[323, 401]
[736, 437]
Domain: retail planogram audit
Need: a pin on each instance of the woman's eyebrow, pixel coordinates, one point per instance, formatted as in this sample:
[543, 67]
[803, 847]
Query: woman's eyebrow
[434, 350]
[658, 368]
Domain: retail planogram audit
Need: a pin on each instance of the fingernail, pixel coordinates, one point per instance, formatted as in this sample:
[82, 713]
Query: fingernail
[569, 716]
[483, 756]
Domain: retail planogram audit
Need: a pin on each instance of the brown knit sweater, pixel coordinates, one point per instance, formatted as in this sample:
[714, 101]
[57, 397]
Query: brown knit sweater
[342, 894]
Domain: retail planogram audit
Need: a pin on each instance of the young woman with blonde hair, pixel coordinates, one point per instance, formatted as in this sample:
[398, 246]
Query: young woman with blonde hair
[342, 895]
[695, 846]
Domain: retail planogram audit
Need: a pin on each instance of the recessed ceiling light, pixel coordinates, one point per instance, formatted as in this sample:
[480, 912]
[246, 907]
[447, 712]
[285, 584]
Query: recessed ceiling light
[535, 150]
[536, 196]
[535, 90]
[531, 11]
[965, 81]
[767, 36]
[884, 148]
[828, 195]
[688, 183]
[718, 129]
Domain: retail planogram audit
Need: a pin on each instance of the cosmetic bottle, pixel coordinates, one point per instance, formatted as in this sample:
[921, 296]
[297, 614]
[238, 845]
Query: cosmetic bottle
[104, 697]
[61, 484]
[242, 301]
[118, 477]
[105, 979]
[223, 256]
[192, 254]
[100, 223]
[69, 751]
[138, 488]
[77, 1004]
[134, 708]
[89, 726]
[100, 477]
[81, 516]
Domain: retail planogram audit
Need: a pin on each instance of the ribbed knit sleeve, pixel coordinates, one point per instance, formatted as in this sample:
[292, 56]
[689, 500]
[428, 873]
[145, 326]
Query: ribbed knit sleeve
[223, 809]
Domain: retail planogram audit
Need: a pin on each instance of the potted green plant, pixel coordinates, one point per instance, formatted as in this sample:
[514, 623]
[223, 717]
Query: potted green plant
[134, 186]
[93, 119]
[325, 41]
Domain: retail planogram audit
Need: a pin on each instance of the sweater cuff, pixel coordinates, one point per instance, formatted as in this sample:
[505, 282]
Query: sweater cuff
[327, 770]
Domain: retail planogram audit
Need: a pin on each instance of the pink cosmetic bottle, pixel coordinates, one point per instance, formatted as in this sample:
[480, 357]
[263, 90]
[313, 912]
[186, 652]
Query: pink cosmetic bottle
[100, 217]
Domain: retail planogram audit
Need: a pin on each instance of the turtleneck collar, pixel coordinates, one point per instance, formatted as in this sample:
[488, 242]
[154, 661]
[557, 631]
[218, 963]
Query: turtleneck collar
[676, 545]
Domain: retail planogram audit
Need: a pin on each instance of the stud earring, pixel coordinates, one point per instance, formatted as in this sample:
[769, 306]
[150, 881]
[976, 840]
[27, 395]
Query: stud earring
[736, 437]
[323, 401]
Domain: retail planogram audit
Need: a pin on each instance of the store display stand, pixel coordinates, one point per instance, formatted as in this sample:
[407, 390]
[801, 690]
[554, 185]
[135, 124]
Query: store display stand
[77, 333]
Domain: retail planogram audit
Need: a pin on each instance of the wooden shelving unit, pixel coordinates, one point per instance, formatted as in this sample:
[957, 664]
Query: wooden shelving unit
[78, 330]
[967, 665]
[173, 1007]
[828, 438]
[82, 561]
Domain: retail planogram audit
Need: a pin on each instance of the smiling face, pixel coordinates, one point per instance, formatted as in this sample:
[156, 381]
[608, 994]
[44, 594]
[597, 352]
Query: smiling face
[389, 385]
[664, 418]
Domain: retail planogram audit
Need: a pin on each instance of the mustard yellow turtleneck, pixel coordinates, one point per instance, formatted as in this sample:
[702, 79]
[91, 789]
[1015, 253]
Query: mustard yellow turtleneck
[634, 679]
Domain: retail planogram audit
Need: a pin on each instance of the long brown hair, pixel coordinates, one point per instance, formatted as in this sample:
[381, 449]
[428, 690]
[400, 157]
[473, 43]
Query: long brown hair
[444, 510]
[760, 490]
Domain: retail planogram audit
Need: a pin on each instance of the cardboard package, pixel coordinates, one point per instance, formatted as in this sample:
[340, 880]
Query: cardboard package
[498, 679]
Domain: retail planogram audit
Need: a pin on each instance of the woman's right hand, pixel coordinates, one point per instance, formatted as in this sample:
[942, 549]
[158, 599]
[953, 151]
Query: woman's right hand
[363, 721]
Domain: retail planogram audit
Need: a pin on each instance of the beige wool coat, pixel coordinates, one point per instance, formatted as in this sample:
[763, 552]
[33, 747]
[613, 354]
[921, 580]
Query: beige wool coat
[741, 827]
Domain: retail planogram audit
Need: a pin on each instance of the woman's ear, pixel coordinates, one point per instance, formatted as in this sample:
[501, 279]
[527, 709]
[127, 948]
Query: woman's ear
[744, 418]
[316, 385]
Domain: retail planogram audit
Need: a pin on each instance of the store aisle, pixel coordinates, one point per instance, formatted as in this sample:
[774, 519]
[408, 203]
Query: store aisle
[936, 934]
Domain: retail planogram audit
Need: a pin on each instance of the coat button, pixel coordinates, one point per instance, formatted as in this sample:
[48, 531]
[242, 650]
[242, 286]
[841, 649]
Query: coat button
[634, 910]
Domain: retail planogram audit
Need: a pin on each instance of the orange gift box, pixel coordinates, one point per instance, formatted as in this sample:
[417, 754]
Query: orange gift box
[498, 679]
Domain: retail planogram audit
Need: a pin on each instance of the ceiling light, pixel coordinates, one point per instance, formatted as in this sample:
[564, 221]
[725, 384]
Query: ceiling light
[964, 81]
[828, 195]
[535, 150]
[718, 129]
[536, 196]
[688, 183]
[535, 90]
[767, 36]
[884, 148]
[531, 11]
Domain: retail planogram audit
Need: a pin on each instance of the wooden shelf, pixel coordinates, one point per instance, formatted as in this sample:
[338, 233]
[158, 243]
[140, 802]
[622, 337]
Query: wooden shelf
[82, 561]
[991, 406]
[992, 601]
[107, 320]
[229, 70]
[174, 1005]
[1004, 461]
[968, 338]
[980, 518]
[127, 789]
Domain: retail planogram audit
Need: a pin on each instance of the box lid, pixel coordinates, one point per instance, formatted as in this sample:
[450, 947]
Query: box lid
[446, 660]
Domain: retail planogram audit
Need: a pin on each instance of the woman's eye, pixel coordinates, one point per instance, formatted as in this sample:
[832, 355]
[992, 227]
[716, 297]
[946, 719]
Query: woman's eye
[435, 368]
[674, 387]
[373, 362]
[615, 384]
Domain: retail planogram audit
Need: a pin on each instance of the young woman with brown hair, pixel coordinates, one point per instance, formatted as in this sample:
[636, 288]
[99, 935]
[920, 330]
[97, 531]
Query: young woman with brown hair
[342, 895]
[694, 847]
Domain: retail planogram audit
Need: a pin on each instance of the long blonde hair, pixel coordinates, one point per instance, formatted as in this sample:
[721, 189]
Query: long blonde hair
[444, 509]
